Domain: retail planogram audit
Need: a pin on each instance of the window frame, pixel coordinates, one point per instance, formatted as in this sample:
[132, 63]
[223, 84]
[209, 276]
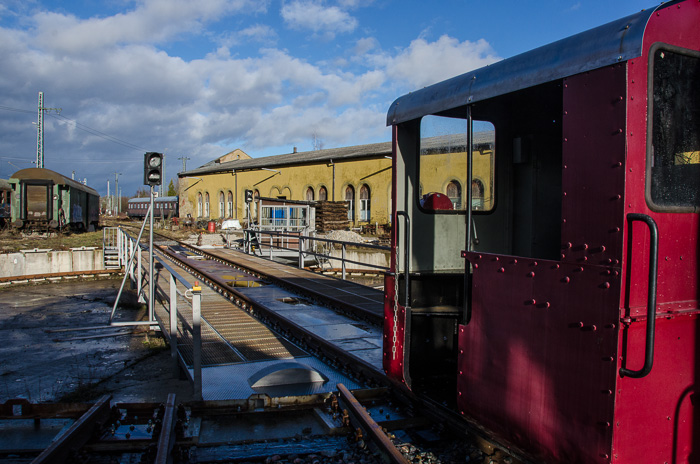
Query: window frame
[650, 128]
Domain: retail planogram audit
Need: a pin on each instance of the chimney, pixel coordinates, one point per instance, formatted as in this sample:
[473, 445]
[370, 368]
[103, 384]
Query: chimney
[295, 150]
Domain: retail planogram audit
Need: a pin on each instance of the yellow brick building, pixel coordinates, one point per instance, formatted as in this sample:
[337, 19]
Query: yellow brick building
[359, 174]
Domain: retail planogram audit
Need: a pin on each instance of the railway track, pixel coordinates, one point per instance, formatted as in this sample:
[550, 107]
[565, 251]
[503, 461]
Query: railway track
[379, 423]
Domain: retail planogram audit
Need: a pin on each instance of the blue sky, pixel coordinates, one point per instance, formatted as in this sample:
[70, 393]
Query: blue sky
[200, 78]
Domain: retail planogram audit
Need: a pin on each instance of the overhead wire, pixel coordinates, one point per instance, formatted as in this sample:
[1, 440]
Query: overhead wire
[82, 127]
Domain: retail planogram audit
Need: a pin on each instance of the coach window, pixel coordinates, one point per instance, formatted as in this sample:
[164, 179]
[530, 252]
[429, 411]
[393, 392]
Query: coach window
[443, 163]
[199, 205]
[673, 158]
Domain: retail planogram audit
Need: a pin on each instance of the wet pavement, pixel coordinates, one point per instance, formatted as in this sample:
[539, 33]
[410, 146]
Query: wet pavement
[42, 366]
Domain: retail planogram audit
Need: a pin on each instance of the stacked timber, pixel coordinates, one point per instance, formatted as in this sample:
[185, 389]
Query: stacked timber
[331, 215]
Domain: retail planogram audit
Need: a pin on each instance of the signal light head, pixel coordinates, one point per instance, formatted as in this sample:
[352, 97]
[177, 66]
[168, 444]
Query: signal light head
[153, 168]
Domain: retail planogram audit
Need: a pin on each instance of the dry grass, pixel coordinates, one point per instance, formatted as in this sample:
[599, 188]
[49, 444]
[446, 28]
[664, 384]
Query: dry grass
[12, 242]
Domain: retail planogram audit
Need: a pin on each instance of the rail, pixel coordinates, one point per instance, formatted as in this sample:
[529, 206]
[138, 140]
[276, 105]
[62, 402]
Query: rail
[192, 295]
[253, 240]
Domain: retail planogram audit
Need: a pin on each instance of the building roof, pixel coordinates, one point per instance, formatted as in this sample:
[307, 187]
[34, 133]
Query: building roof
[307, 157]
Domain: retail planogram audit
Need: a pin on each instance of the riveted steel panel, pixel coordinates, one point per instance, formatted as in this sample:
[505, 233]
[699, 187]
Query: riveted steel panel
[593, 174]
[537, 361]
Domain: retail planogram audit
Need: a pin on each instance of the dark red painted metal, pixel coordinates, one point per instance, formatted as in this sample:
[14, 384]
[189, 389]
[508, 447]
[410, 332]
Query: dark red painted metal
[536, 363]
[656, 419]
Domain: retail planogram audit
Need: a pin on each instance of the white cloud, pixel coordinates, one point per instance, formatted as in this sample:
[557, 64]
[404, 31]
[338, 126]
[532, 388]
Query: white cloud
[424, 63]
[313, 15]
[152, 21]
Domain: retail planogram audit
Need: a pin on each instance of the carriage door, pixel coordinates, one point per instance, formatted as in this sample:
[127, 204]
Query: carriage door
[441, 214]
[37, 201]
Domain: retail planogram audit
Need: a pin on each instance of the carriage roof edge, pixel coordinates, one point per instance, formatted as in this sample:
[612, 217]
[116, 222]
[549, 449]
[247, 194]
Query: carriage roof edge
[614, 42]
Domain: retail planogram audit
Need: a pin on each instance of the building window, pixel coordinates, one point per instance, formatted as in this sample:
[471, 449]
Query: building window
[454, 193]
[322, 194]
[477, 195]
[221, 205]
[206, 204]
[229, 204]
[310, 194]
[364, 203]
[199, 205]
[350, 198]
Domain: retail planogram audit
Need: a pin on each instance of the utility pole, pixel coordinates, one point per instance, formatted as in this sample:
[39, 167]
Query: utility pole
[40, 130]
[184, 163]
[116, 192]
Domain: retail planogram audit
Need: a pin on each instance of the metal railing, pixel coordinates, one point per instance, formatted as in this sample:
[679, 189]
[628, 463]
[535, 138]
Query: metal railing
[192, 296]
[255, 239]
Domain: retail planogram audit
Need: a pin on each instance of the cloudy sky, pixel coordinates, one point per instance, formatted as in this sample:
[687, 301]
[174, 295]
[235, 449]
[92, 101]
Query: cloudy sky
[199, 78]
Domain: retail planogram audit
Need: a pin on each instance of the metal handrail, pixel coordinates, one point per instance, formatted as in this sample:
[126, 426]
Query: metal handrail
[343, 259]
[195, 329]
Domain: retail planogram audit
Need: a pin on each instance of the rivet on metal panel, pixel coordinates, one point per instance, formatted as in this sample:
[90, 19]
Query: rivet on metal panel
[564, 193]
[497, 258]
[569, 244]
[608, 392]
[563, 221]
[515, 261]
[610, 326]
[681, 258]
[532, 301]
[501, 270]
[606, 285]
[531, 274]
[566, 280]
[563, 256]
[547, 304]
[556, 266]
[585, 246]
[534, 263]
[476, 266]
[580, 269]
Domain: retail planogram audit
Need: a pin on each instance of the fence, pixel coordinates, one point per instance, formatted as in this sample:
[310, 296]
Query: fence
[303, 246]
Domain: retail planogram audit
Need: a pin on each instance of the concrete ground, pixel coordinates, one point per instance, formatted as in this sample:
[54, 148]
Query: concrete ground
[46, 366]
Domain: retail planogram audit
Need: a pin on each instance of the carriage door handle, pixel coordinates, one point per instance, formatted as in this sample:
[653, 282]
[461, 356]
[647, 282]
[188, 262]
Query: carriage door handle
[651, 297]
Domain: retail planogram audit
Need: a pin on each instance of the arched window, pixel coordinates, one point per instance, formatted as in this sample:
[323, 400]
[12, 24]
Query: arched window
[454, 193]
[206, 204]
[229, 204]
[310, 194]
[350, 198]
[200, 208]
[322, 194]
[364, 203]
[477, 195]
[221, 205]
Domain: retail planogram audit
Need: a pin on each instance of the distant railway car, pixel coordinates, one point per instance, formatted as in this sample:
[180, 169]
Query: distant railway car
[555, 302]
[43, 199]
[5, 195]
[165, 207]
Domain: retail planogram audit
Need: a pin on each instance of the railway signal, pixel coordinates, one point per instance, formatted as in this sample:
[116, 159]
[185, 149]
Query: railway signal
[248, 196]
[153, 169]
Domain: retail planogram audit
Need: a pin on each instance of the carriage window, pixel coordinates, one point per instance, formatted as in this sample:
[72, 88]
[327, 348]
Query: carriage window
[443, 164]
[674, 157]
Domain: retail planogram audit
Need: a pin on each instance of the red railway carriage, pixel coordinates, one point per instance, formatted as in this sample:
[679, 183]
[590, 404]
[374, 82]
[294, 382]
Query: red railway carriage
[555, 302]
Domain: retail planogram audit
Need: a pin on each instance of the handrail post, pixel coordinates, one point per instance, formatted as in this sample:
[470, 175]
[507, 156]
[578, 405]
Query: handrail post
[173, 326]
[197, 340]
[342, 261]
[301, 252]
[270, 246]
[139, 287]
